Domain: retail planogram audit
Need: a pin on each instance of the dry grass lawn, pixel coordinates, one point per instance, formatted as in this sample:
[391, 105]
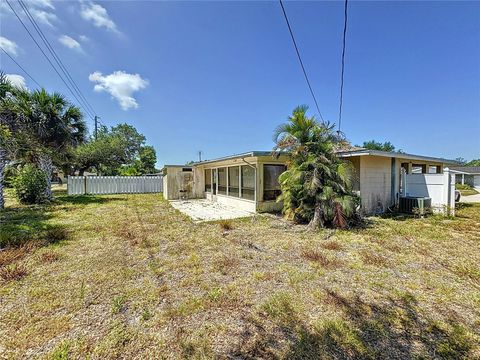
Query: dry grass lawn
[127, 276]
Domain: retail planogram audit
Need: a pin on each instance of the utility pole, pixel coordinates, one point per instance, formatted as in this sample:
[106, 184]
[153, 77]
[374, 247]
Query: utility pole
[199, 155]
[96, 126]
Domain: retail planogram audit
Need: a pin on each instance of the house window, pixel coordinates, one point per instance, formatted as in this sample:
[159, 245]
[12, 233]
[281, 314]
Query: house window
[233, 181]
[208, 180]
[405, 166]
[248, 182]
[271, 186]
[419, 168]
[222, 181]
[434, 169]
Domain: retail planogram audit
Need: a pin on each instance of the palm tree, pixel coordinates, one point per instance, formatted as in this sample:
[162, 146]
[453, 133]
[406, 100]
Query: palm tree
[317, 185]
[47, 125]
[55, 125]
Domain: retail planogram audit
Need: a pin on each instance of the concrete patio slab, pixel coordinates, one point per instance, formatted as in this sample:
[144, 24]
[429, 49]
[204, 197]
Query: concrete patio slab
[470, 198]
[206, 210]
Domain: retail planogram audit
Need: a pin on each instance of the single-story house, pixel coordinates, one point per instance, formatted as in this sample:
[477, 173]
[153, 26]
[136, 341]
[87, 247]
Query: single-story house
[250, 180]
[469, 175]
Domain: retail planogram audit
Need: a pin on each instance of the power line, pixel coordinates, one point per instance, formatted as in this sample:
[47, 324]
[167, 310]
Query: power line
[56, 57]
[300, 59]
[20, 66]
[45, 55]
[343, 66]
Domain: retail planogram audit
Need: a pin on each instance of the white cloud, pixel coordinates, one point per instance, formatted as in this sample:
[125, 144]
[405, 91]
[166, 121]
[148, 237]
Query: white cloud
[9, 46]
[17, 80]
[41, 10]
[44, 17]
[120, 85]
[98, 15]
[70, 42]
[83, 38]
[41, 4]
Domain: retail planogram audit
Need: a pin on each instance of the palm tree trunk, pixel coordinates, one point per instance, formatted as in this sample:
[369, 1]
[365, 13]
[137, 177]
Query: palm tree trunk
[45, 164]
[317, 220]
[3, 162]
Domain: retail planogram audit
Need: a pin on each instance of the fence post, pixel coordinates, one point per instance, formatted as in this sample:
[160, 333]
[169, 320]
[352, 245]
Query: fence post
[448, 193]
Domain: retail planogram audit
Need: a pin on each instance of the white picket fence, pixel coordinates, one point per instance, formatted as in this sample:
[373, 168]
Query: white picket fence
[80, 185]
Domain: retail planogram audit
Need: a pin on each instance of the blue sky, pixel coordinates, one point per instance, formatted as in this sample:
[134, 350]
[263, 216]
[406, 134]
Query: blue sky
[220, 76]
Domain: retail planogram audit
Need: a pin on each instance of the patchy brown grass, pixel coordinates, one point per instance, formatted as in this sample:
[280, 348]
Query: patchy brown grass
[12, 272]
[12, 254]
[332, 245]
[370, 257]
[136, 279]
[49, 256]
[321, 258]
[225, 263]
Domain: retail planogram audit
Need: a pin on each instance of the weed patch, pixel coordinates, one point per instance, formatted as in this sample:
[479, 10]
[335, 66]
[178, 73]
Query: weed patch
[319, 257]
[332, 245]
[13, 272]
[226, 225]
[373, 258]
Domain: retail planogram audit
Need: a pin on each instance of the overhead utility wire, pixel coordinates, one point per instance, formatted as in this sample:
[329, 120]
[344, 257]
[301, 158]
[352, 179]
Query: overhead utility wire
[56, 57]
[343, 66]
[20, 66]
[45, 55]
[300, 59]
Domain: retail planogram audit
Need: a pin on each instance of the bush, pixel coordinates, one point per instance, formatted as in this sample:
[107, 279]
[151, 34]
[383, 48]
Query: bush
[9, 175]
[30, 185]
[463, 187]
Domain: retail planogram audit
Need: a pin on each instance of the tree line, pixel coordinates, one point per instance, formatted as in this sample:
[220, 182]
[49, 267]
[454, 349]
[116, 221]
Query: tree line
[40, 131]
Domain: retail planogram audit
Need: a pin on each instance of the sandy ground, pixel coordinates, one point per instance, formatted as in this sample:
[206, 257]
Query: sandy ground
[206, 210]
[470, 199]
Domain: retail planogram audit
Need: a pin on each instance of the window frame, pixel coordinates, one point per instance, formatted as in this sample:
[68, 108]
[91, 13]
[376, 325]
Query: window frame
[277, 191]
[215, 176]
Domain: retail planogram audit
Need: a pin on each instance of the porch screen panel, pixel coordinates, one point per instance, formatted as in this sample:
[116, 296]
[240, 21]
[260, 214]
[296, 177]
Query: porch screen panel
[208, 180]
[248, 182]
[271, 186]
[222, 181]
[419, 168]
[233, 180]
[434, 169]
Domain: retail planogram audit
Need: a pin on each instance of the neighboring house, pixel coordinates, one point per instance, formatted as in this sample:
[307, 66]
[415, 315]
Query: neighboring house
[250, 181]
[469, 175]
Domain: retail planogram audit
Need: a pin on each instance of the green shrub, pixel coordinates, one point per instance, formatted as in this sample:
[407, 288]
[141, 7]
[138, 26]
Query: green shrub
[9, 175]
[30, 185]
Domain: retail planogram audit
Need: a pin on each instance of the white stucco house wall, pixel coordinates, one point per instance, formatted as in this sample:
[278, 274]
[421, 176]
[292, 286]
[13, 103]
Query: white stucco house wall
[249, 181]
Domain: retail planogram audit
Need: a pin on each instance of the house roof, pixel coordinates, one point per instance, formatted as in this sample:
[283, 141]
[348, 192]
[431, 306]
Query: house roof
[236, 156]
[399, 155]
[469, 170]
[353, 151]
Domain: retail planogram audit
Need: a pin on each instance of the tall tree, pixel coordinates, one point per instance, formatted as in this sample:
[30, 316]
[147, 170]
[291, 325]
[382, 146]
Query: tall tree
[147, 158]
[474, 162]
[121, 145]
[317, 185]
[375, 145]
